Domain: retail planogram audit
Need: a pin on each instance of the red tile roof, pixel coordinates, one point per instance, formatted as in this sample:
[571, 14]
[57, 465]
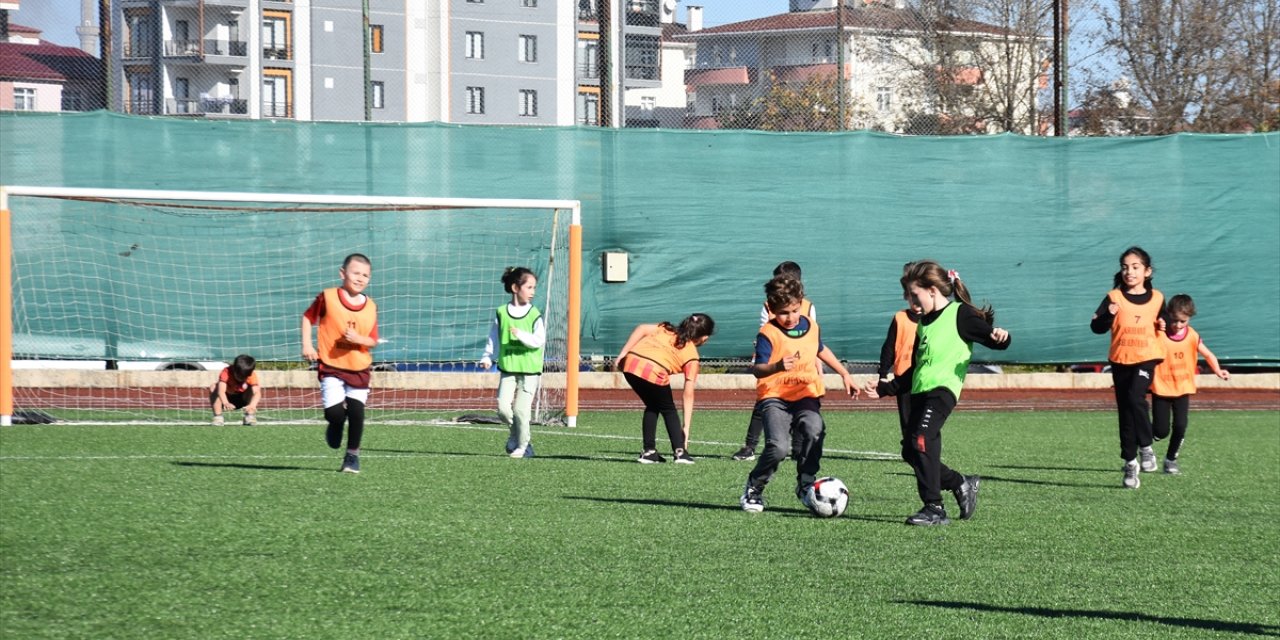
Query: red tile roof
[46, 61]
[873, 17]
[21, 28]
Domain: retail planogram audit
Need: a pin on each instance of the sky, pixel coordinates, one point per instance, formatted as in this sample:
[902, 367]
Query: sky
[58, 18]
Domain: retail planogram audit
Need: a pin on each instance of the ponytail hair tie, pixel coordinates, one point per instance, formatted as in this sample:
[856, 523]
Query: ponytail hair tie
[953, 275]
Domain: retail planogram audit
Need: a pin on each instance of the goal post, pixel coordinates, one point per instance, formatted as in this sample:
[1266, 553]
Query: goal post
[117, 304]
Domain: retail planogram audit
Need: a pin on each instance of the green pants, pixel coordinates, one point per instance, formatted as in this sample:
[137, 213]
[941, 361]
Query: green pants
[515, 403]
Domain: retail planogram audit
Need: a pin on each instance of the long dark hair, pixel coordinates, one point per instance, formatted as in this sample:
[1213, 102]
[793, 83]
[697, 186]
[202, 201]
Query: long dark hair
[514, 277]
[927, 273]
[695, 326]
[1146, 262]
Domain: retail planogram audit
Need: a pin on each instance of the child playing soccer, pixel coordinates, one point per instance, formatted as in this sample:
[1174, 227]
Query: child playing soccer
[756, 426]
[237, 388]
[895, 357]
[517, 335]
[1133, 312]
[789, 391]
[650, 356]
[1175, 377]
[346, 322]
[944, 345]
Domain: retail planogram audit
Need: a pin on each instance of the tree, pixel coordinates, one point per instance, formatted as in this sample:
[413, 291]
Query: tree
[808, 106]
[1202, 65]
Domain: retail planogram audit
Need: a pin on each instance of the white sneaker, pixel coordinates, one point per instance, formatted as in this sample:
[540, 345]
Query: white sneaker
[522, 452]
[1171, 467]
[1148, 456]
[250, 420]
[1131, 479]
[752, 499]
[218, 421]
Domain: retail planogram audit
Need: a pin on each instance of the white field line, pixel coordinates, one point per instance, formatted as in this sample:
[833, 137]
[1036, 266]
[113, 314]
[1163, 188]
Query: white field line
[576, 433]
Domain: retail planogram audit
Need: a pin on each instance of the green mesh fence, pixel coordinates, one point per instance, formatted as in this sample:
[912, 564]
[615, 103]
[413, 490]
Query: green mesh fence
[1035, 226]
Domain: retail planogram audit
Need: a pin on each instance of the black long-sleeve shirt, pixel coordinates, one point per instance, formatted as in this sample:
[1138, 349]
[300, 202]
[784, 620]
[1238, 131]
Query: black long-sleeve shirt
[1103, 318]
[889, 350]
[972, 326]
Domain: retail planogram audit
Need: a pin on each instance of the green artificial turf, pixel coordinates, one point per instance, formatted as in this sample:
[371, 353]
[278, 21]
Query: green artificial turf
[250, 532]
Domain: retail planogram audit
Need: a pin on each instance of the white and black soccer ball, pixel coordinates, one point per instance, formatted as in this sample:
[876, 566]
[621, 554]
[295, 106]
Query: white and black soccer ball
[826, 497]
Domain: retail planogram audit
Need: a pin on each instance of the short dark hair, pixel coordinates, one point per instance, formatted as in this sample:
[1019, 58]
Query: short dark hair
[243, 366]
[783, 291]
[356, 257]
[1183, 304]
[787, 268]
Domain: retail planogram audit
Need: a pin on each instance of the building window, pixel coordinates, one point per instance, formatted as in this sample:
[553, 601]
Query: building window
[375, 38]
[589, 109]
[275, 96]
[641, 53]
[378, 89]
[475, 45]
[589, 61]
[884, 99]
[648, 103]
[275, 38]
[475, 1]
[24, 99]
[528, 103]
[529, 3]
[475, 100]
[527, 49]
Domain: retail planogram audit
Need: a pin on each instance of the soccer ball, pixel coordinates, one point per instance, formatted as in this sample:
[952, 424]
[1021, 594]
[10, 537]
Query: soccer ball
[826, 497]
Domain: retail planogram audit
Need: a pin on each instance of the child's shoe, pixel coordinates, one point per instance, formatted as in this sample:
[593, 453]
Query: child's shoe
[350, 463]
[522, 452]
[683, 457]
[218, 421]
[1171, 467]
[1148, 456]
[651, 457]
[250, 420]
[745, 453]
[512, 443]
[752, 499]
[1131, 479]
[929, 516]
[967, 496]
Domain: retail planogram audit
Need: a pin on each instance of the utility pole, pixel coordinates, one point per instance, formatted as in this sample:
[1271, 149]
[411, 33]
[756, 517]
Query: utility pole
[104, 50]
[1060, 68]
[840, 90]
[368, 85]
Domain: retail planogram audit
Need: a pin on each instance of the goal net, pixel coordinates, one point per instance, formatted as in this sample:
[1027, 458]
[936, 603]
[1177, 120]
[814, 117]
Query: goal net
[124, 305]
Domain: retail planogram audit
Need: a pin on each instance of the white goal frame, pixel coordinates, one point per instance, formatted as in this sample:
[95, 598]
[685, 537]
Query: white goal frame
[574, 207]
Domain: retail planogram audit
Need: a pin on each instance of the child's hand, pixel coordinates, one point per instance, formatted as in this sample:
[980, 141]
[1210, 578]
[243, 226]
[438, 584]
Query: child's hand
[850, 387]
[999, 335]
[1223, 373]
[485, 363]
[1113, 308]
[870, 389]
[789, 361]
[309, 353]
[350, 335]
[1160, 325]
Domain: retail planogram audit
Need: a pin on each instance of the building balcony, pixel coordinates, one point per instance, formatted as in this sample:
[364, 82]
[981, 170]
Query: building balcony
[587, 11]
[694, 78]
[140, 107]
[642, 13]
[588, 71]
[277, 53]
[205, 105]
[272, 109]
[209, 47]
[242, 4]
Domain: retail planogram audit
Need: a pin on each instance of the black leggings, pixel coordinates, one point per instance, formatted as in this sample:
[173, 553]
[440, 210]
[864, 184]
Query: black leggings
[1131, 384]
[922, 444]
[657, 399]
[1161, 407]
[350, 411]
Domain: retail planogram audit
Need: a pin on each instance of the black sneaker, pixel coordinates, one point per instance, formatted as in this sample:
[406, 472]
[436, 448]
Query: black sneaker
[651, 457]
[745, 453]
[967, 496]
[350, 463]
[683, 457]
[928, 516]
[752, 499]
[333, 436]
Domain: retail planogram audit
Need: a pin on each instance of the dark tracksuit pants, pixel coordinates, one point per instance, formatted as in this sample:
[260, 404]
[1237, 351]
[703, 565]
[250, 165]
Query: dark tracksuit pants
[1161, 407]
[1131, 383]
[657, 400]
[793, 429]
[922, 444]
